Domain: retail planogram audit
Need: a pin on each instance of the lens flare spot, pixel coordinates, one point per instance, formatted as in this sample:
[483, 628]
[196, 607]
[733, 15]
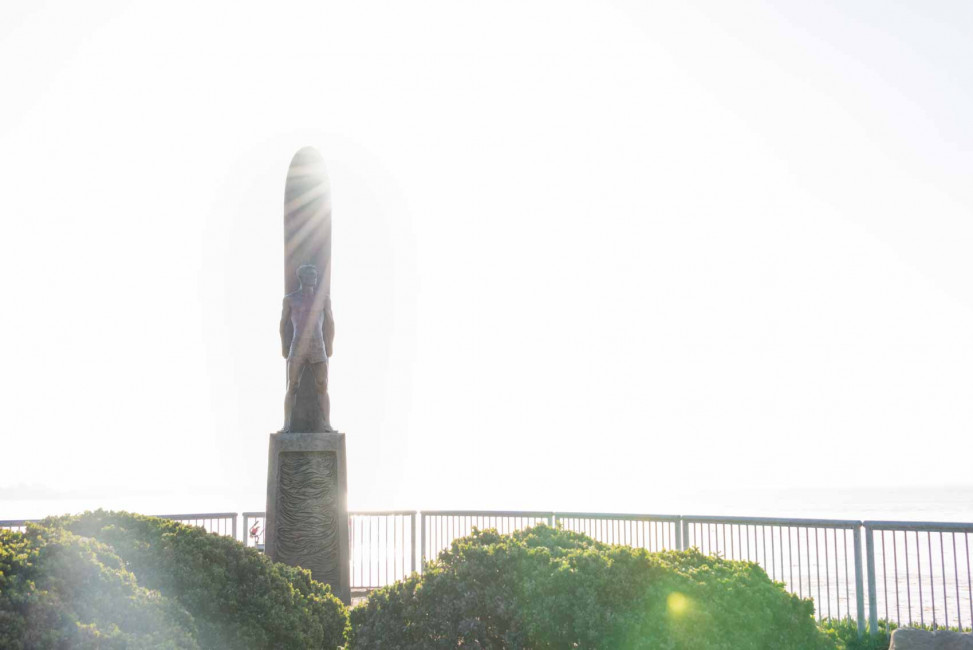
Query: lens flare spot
[677, 604]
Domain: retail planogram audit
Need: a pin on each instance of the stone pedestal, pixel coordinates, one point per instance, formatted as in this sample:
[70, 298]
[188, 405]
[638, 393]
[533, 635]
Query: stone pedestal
[307, 506]
[909, 639]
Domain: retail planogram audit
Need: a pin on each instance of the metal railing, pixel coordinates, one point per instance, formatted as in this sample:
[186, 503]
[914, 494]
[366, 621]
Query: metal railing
[814, 558]
[221, 523]
[651, 532]
[821, 559]
[382, 547]
[928, 565]
[916, 572]
[440, 527]
[18, 525]
[382, 544]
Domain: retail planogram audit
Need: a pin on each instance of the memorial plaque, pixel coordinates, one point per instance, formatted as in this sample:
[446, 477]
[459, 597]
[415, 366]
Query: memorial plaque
[307, 501]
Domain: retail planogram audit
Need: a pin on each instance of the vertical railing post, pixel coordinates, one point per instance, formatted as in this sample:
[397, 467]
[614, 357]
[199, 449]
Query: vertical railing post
[859, 582]
[422, 543]
[235, 516]
[872, 598]
[684, 540]
[678, 526]
[412, 527]
[246, 529]
[552, 520]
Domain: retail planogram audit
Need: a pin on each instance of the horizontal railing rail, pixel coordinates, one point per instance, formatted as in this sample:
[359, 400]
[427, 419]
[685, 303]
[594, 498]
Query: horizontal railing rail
[906, 571]
[651, 532]
[934, 526]
[616, 515]
[199, 516]
[221, 523]
[774, 521]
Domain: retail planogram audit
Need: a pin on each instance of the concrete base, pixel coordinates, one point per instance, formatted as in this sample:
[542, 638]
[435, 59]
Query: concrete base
[307, 506]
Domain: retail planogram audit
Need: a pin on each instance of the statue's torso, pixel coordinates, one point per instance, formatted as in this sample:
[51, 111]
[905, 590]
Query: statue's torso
[307, 317]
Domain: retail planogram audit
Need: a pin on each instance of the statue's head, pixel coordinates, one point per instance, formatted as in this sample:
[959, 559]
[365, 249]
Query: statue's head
[308, 275]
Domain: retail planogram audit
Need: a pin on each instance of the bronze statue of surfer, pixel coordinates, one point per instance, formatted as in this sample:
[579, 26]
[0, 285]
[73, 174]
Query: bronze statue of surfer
[307, 335]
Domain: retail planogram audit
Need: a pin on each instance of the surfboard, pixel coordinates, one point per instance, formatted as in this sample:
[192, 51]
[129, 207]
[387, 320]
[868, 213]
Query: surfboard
[307, 219]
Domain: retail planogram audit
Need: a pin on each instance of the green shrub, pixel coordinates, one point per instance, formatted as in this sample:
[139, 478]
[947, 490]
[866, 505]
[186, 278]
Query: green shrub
[58, 590]
[237, 596]
[845, 634]
[549, 589]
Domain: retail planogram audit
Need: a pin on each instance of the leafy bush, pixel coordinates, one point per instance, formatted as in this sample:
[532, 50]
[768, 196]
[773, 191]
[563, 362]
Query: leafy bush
[58, 590]
[236, 596]
[845, 634]
[548, 589]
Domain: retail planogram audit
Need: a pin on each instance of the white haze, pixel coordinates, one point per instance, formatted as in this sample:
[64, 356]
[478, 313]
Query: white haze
[587, 255]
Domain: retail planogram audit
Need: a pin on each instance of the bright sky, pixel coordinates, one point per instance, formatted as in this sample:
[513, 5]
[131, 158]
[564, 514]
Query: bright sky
[586, 254]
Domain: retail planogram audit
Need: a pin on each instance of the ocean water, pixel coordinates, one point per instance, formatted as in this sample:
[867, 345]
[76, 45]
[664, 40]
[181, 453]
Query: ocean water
[929, 503]
[942, 503]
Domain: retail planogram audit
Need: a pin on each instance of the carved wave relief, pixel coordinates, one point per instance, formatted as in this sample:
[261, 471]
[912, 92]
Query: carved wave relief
[307, 508]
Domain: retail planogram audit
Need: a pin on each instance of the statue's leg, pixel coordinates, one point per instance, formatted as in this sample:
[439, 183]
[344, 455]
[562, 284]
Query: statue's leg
[321, 382]
[294, 369]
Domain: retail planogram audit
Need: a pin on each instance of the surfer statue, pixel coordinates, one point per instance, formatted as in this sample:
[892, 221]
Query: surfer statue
[307, 335]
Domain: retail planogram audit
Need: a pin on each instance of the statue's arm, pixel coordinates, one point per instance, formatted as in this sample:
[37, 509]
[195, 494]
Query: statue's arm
[327, 327]
[286, 328]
